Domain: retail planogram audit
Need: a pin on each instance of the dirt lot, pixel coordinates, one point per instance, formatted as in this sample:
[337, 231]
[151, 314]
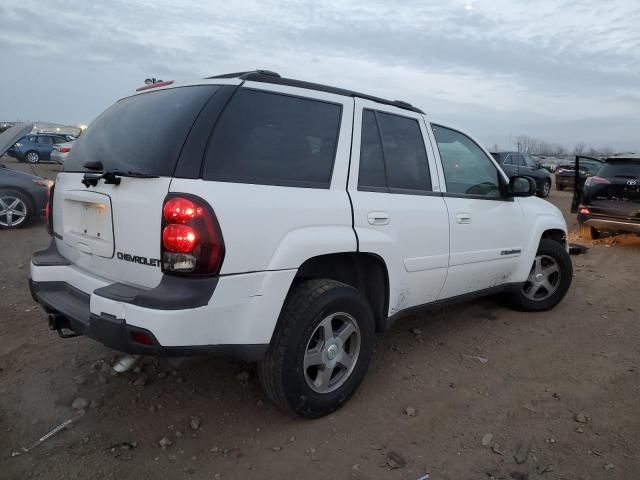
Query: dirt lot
[559, 390]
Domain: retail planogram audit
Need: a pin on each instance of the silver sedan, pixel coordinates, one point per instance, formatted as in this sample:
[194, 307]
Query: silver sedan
[61, 151]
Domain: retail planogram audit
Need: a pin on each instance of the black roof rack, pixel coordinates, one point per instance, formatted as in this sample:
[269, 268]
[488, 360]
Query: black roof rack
[267, 76]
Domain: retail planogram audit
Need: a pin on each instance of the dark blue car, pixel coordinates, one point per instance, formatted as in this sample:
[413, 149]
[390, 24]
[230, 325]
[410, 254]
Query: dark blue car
[36, 147]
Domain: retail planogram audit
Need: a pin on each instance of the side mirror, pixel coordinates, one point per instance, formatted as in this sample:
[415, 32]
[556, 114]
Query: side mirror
[521, 187]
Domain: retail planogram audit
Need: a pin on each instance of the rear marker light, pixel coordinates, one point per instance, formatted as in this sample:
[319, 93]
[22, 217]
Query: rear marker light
[142, 338]
[64, 150]
[585, 211]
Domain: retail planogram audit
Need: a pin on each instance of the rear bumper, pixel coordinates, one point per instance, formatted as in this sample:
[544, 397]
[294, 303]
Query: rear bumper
[234, 319]
[69, 308]
[613, 224]
[565, 181]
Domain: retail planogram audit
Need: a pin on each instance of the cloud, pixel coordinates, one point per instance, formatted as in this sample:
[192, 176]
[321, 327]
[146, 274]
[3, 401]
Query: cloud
[507, 65]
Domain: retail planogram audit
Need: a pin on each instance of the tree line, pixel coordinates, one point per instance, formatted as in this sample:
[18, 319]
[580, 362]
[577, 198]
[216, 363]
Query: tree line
[536, 146]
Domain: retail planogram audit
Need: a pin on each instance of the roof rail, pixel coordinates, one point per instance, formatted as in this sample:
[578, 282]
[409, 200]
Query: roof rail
[268, 76]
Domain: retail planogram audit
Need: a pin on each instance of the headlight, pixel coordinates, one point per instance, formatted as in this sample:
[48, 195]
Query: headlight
[43, 182]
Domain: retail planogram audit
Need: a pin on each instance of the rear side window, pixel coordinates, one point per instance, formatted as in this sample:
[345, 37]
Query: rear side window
[143, 133]
[274, 139]
[392, 154]
[45, 140]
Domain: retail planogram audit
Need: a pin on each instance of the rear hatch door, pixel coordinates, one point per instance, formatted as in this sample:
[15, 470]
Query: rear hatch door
[111, 226]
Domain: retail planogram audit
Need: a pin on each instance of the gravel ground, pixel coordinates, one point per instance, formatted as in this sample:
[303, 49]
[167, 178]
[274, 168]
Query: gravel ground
[471, 392]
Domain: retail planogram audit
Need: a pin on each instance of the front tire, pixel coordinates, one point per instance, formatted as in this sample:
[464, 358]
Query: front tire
[16, 209]
[549, 280]
[320, 350]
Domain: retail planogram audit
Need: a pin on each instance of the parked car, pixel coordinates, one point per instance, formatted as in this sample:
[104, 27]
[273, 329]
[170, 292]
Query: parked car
[514, 164]
[61, 151]
[565, 174]
[284, 222]
[34, 148]
[22, 196]
[611, 198]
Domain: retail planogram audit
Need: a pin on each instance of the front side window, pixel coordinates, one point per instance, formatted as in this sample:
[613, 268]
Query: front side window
[467, 169]
[274, 139]
[392, 154]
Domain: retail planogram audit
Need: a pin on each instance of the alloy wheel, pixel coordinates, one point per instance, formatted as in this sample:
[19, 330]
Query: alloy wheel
[332, 352]
[13, 211]
[543, 279]
[33, 157]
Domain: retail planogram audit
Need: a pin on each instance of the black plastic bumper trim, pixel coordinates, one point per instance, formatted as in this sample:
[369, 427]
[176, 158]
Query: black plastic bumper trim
[63, 299]
[172, 293]
[50, 257]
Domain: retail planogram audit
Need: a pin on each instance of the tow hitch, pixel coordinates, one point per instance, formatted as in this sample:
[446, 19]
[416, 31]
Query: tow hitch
[59, 322]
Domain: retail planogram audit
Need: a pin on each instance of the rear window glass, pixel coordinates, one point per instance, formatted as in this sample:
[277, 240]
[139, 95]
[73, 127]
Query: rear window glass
[274, 139]
[621, 168]
[143, 133]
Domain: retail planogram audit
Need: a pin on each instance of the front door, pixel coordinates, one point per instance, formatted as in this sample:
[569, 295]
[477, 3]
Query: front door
[398, 211]
[488, 230]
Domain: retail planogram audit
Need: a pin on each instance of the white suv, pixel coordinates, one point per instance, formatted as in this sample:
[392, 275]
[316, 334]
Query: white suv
[284, 222]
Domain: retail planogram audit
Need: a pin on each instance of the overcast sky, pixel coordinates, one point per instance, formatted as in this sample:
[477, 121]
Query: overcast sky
[562, 70]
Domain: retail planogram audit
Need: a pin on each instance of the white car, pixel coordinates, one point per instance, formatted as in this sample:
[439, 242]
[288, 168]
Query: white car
[284, 222]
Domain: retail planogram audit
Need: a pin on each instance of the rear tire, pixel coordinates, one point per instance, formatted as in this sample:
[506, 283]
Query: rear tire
[32, 157]
[549, 280]
[16, 209]
[320, 350]
[589, 233]
[546, 189]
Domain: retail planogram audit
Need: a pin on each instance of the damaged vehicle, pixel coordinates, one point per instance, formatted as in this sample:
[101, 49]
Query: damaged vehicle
[283, 222]
[610, 199]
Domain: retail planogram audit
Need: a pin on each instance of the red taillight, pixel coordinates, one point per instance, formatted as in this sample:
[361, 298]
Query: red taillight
[179, 238]
[180, 210]
[584, 211]
[596, 181]
[191, 238]
[64, 149]
[48, 214]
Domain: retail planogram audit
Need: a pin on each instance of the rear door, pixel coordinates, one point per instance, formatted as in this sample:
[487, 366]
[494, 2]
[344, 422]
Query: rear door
[113, 231]
[398, 211]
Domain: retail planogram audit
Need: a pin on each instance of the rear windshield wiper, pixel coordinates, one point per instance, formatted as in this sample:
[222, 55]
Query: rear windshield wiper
[111, 177]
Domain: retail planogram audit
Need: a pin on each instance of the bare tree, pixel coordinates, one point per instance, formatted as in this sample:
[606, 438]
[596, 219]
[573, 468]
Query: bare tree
[527, 144]
[579, 148]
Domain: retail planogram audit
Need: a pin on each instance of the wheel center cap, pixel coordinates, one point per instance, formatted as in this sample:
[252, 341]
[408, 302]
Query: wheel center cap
[539, 277]
[332, 351]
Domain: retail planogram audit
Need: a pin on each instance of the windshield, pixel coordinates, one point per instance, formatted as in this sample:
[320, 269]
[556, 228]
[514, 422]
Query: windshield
[143, 133]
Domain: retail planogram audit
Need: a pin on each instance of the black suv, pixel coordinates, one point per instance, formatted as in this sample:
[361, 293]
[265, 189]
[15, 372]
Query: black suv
[611, 198]
[522, 164]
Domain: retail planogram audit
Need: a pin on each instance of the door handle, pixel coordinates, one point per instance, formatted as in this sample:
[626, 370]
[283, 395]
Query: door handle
[378, 218]
[463, 218]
